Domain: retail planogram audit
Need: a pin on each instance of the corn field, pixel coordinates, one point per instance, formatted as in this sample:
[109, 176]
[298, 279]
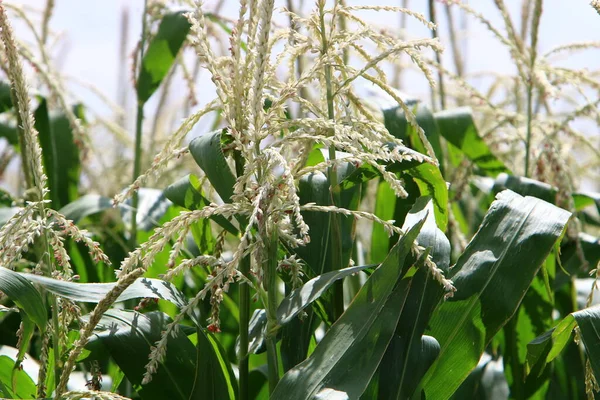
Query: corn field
[277, 216]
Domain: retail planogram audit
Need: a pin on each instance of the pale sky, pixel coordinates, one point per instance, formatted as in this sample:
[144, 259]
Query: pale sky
[90, 36]
[89, 47]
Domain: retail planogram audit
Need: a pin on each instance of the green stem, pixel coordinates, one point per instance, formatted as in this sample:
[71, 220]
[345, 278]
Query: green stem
[336, 237]
[137, 162]
[529, 122]
[271, 308]
[243, 330]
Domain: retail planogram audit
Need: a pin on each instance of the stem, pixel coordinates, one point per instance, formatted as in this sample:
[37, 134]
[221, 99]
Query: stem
[438, 59]
[137, 162]
[456, 54]
[46, 251]
[272, 327]
[244, 323]
[535, 24]
[300, 59]
[336, 237]
[529, 123]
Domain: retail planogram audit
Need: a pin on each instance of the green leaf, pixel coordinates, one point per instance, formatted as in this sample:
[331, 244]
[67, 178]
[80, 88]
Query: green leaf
[548, 346]
[127, 337]
[301, 298]
[410, 354]
[318, 254]
[491, 278]
[15, 383]
[214, 376]
[385, 207]
[24, 295]
[94, 292]
[350, 352]
[30, 304]
[534, 317]
[186, 192]
[161, 54]
[428, 177]
[257, 333]
[208, 154]
[86, 205]
[60, 154]
[431, 183]
[525, 187]
[459, 129]
[585, 199]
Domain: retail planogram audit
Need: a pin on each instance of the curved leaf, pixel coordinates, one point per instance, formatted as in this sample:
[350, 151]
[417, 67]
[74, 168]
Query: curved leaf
[84, 206]
[431, 183]
[350, 352]
[491, 278]
[161, 54]
[94, 292]
[208, 154]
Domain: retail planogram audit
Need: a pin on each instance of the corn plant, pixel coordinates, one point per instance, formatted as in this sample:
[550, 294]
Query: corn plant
[331, 237]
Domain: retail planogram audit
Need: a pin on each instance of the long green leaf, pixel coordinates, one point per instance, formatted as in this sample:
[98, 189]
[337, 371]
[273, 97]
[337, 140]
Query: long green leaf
[214, 378]
[410, 354]
[60, 154]
[161, 54]
[94, 292]
[350, 352]
[491, 278]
